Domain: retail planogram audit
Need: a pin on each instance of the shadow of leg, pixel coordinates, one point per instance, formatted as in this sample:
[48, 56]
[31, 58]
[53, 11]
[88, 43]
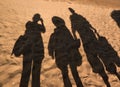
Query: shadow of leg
[25, 74]
[112, 69]
[76, 76]
[98, 67]
[105, 78]
[36, 74]
[65, 76]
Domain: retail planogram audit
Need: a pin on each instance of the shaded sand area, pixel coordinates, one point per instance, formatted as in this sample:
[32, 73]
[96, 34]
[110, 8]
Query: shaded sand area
[15, 13]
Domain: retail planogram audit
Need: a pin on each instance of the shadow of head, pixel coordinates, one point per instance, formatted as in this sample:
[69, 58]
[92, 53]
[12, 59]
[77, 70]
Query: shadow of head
[116, 16]
[36, 17]
[71, 10]
[28, 25]
[57, 21]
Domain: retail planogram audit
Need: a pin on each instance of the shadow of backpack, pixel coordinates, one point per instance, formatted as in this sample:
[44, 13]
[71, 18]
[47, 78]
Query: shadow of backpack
[18, 46]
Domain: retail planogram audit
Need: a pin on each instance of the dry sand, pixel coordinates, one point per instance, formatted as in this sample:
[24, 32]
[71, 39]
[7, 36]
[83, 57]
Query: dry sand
[15, 13]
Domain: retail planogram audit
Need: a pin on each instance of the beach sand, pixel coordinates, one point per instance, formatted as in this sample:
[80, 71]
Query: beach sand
[15, 13]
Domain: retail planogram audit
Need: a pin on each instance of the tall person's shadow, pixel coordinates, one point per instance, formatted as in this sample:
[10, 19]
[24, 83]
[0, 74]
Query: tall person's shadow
[64, 48]
[115, 14]
[86, 33]
[32, 49]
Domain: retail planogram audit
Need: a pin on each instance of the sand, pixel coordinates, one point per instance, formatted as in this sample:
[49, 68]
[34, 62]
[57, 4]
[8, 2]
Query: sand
[15, 13]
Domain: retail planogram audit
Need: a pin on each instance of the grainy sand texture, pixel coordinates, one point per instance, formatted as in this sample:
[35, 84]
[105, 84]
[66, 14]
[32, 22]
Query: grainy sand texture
[15, 13]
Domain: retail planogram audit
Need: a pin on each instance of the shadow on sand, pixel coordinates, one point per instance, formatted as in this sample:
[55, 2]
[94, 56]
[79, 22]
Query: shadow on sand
[115, 14]
[64, 48]
[98, 50]
[31, 46]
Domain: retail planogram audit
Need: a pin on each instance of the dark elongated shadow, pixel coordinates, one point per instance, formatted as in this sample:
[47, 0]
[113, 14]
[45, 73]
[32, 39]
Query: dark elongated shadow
[64, 49]
[33, 57]
[31, 47]
[108, 55]
[87, 34]
[115, 14]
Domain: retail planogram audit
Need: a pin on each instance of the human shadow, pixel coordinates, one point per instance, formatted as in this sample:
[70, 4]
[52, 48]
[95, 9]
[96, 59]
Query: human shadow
[90, 43]
[64, 48]
[108, 55]
[32, 50]
[115, 14]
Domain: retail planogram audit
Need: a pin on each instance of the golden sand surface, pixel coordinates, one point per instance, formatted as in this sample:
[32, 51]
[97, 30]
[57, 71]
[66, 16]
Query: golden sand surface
[15, 13]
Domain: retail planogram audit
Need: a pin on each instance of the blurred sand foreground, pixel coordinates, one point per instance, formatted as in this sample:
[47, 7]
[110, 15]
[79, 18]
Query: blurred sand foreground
[15, 13]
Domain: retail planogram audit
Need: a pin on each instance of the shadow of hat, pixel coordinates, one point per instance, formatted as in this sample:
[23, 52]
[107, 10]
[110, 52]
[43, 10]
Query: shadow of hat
[57, 21]
[36, 17]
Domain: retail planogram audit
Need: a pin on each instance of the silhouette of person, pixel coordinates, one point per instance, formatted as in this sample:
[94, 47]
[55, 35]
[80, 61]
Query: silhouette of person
[115, 14]
[106, 51]
[64, 48]
[86, 32]
[33, 52]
